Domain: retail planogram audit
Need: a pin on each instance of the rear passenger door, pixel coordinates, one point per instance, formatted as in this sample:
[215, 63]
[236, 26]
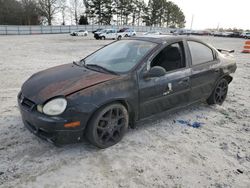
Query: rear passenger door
[204, 71]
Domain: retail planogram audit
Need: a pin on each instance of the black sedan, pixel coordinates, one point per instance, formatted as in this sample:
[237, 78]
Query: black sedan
[103, 94]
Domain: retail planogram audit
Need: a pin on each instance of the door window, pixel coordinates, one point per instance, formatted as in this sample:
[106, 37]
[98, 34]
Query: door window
[200, 53]
[170, 58]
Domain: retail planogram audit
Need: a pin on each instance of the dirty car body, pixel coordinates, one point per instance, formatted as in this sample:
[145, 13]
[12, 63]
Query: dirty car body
[159, 74]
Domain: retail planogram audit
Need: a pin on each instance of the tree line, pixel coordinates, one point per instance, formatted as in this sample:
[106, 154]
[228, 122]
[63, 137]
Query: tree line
[102, 12]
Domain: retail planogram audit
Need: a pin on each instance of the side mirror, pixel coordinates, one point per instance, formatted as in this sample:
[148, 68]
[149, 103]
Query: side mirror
[154, 72]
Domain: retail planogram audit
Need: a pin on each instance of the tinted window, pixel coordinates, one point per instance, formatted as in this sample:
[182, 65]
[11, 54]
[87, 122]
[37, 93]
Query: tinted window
[170, 58]
[200, 53]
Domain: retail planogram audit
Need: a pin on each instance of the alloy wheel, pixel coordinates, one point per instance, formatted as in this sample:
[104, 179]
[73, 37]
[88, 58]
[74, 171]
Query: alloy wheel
[110, 126]
[221, 91]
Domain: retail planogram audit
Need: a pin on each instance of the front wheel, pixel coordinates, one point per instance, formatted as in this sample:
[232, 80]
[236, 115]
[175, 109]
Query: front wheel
[103, 38]
[119, 38]
[219, 93]
[108, 125]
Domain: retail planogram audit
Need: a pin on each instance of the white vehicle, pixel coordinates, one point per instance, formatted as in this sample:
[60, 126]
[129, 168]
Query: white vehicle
[79, 33]
[108, 34]
[153, 33]
[245, 35]
[127, 32]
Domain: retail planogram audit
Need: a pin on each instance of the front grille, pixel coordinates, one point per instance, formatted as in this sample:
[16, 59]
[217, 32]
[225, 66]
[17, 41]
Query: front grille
[26, 102]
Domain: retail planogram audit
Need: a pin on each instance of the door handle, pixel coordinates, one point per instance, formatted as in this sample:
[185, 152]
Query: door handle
[168, 89]
[184, 80]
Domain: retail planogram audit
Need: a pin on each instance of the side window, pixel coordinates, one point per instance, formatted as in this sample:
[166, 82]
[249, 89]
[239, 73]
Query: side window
[200, 53]
[170, 58]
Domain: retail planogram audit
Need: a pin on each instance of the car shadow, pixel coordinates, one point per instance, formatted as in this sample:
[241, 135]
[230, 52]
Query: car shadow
[20, 131]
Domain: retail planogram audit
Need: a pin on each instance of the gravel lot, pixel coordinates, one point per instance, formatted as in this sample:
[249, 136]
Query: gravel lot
[160, 152]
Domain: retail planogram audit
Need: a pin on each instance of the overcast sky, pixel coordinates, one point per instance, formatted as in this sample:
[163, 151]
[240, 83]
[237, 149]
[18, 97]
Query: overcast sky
[211, 13]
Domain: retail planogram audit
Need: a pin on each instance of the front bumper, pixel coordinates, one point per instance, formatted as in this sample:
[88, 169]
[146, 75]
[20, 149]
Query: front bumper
[51, 128]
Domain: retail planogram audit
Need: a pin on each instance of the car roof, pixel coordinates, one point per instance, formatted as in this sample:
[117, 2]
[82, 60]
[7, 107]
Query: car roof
[164, 38]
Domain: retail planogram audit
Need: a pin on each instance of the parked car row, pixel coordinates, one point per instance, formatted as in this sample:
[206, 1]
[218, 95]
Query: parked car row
[113, 33]
[212, 33]
[102, 34]
[106, 33]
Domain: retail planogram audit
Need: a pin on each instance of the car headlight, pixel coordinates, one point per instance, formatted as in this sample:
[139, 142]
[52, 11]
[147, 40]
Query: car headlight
[55, 107]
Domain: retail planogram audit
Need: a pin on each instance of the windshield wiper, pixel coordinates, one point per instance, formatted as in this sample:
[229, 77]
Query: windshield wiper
[99, 68]
[82, 62]
[76, 63]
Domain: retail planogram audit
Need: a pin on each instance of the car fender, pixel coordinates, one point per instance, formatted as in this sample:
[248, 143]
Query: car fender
[123, 89]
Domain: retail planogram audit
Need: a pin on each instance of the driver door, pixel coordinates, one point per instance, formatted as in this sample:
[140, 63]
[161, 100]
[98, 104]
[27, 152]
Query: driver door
[169, 91]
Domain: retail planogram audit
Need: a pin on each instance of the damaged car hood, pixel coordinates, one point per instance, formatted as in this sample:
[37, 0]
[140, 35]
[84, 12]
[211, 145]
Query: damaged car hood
[61, 81]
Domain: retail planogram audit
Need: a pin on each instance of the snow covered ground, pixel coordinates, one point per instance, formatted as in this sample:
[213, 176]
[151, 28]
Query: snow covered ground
[160, 152]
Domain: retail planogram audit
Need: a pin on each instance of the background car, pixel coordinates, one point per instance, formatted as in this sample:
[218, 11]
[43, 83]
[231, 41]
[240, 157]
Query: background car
[79, 33]
[108, 34]
[227, 34]
[153, 33]
[199, 32]
[127, 32]
[182, 32]
[217, 34]
[245, 35]
[235, 34]
[121, 83]
[97, 30]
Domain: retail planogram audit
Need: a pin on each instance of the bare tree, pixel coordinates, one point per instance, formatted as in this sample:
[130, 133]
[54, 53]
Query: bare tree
[63, 6]
[48, 9]
[75, 9]
[30, 14]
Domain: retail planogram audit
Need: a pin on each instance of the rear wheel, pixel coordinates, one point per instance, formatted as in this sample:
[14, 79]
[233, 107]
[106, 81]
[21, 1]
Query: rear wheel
[108, 125]
[103, 38]
[219, 94]
[119, 37]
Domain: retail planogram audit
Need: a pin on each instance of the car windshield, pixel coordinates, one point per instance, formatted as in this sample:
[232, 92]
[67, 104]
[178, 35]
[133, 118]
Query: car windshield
[103, 31]
[120, 56]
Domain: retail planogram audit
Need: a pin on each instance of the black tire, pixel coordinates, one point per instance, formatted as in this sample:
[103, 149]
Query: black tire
[108, 125]
[219, 93]
[126, 35]
[119, 37]
[103, 38]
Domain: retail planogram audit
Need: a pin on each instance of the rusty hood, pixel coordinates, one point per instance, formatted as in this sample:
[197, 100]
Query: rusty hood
[61, 81]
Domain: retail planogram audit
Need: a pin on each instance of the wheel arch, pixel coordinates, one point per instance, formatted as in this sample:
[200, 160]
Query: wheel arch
[123, 102]
[228, 78]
